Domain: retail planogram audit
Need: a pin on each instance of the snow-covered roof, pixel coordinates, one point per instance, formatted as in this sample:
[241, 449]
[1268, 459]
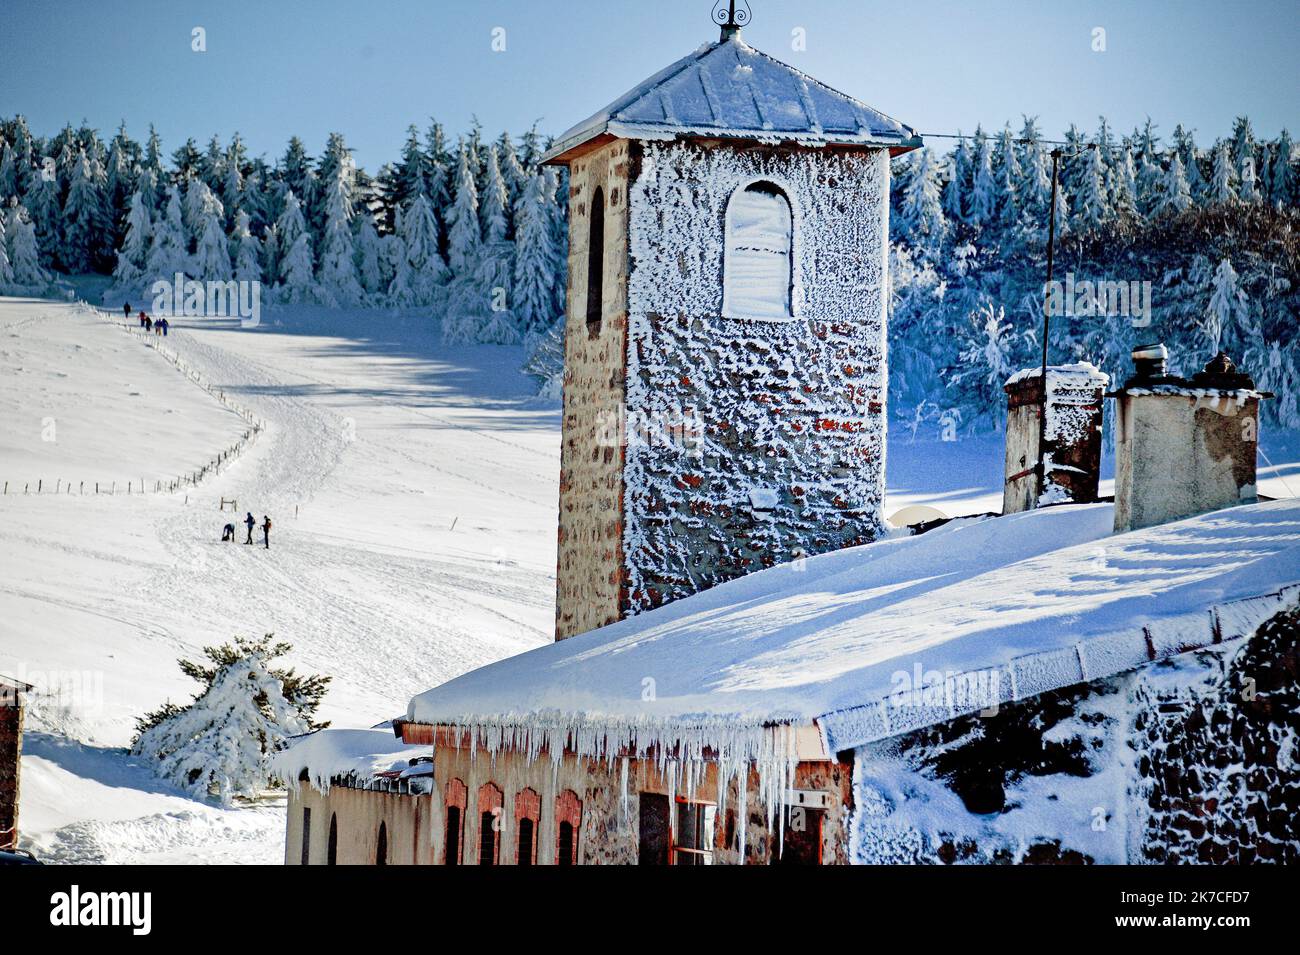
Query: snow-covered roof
[332, 754]
[729, 89]
[1011, 606]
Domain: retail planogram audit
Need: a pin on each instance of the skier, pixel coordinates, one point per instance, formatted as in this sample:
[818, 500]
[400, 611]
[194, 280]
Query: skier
[251, 522]
[228, 533]
[266, 531]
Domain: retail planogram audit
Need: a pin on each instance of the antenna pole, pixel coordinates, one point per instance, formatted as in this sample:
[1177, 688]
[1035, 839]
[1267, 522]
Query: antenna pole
[1047, 324]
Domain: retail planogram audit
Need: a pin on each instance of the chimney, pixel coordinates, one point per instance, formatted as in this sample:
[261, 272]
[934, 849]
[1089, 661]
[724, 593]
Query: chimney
[1068, 424]
[1183, 447]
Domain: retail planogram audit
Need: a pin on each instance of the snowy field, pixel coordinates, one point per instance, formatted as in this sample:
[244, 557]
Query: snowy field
[413, 491]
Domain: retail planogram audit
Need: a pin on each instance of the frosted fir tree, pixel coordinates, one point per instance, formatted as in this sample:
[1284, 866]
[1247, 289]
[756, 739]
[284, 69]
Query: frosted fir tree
[246, 250]
[297, 275]
[289, 228]
[8, 173]
[985, 356]
[536, 259]
[1222, 187]
[42, 202]
[199, 201]
[133, 256]
[167, 251]
[419, 232]
[1123, 191]
[398, 269]
[221, 744]
[83, 218]
[1035, 185]
[1282, 188]
[212, 252]
[1007, 173]
[954, 192]
[6, 270]
[922, 210]
[24, 253]
[984, 189]
[1227, 305]
[494, 202]
[1249, 192]
[1175, 194]
[478, 308]
[1091, 208]
[368, 256]
[513, 175]
[337, 276]
[464, 238]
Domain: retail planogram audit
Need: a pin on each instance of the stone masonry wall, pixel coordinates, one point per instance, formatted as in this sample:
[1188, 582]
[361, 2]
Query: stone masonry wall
[589, 561]
[10, 749]
[751, 442]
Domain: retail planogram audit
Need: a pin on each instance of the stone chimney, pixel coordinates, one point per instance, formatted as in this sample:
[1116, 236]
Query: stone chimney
[1068, 424]
[1183, 447]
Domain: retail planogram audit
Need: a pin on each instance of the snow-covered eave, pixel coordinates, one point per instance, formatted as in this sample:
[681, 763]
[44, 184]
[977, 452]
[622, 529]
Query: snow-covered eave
[1031, 674]
[355, 758]
[565, 150]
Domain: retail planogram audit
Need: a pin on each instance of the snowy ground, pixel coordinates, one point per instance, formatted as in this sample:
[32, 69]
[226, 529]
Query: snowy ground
[413, 493]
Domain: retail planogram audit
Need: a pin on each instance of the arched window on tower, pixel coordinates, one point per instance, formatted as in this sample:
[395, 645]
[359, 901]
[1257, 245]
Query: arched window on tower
[332, 850]
[596, 262]
[381, 849]
[756, 279]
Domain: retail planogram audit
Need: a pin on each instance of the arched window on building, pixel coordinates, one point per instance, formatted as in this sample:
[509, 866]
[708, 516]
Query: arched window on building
[457, 796]
[528, 811]
[756, 277]
[596, 262]
[568, 824]
[381, 845]
[490, 804]
[332, 849]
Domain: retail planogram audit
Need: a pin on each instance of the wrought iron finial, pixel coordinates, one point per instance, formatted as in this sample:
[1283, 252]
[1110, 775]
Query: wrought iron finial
[731, 19]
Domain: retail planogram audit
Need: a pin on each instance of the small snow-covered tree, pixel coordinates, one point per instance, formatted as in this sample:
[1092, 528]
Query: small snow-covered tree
[6, 270]
[212, 251]
[1175, 194]
[1249, 192]
[221, 744]
[289, 228]
[984, 189]
[246, 250]
[922, 210]
[24, 253]
[1282, 188]
[297, 276]
[199, 202]
[1091, 208]
[419, 232]
[83, 218]
[1222, 186]
[464, 238]
[167, 251]
[495, 201]
[368, 255]
[133, 256]
[338, 284]
[536, 259]
[1227, 305]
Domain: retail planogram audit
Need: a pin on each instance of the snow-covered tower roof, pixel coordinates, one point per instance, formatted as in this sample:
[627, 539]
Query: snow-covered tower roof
[728, 89]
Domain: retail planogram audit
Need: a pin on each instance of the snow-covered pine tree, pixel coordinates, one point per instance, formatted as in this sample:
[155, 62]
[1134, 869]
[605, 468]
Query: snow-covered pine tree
[83, 218]
[419, 235]
[1249, 192]
[984, 190]
[24, 253]
[1091, 207]
[494, 201]
[1227, 306]
[133, 256]
[297, 275]
[368, 255]
[954, 191]
[514, 177]
[1185, 147]
[1007, 173]
[42, 202]
[6, 270]
[985, 357]
[221, 744]
[289, 228]
[1222, 187]
[1175, 194]
[246, 250]
[922, 211]
[337, 276]
[536, 259]
[8, 173]
[464, 237]
[397, 268]
[1123, 193]
[212, 251]
[199, 201]
[1282, 190]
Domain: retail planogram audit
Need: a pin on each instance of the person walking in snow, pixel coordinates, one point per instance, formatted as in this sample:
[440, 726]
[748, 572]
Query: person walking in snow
[148, 324]
[266, 531]
[228, 533]
[251, 522]
[142, 318]
[165, 325]
[126, 311]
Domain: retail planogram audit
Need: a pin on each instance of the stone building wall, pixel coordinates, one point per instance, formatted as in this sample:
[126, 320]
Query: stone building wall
[1193, 760]
[358, 814]
[11, 729]
[588, 573]
[751, 442]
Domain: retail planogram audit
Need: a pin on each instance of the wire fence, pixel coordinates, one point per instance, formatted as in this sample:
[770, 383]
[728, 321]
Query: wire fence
[144, 485]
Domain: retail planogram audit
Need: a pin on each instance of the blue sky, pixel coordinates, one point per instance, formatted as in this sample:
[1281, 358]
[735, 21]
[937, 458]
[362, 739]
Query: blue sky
[272, 69]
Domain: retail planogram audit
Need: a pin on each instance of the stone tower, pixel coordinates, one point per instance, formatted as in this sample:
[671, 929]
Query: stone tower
[725, 367]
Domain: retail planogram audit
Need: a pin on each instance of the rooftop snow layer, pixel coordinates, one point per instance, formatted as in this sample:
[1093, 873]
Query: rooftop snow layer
[728, 88]
[1042, 600]
[331, 754]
